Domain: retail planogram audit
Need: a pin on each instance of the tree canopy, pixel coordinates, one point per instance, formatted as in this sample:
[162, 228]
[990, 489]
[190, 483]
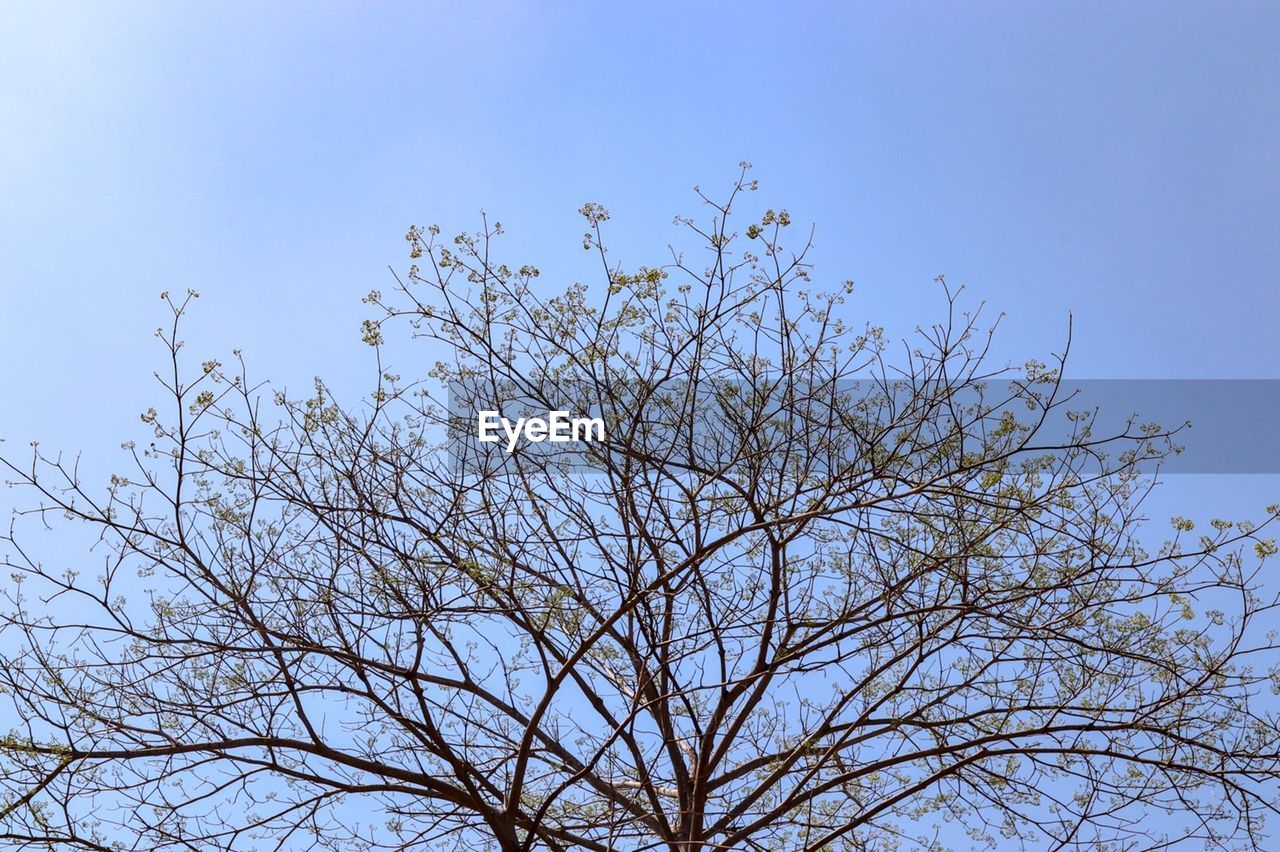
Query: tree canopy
[813, 591]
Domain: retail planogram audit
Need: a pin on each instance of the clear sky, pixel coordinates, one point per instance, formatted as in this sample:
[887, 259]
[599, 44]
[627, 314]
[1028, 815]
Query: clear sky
[1118, 161]
[1114, 160]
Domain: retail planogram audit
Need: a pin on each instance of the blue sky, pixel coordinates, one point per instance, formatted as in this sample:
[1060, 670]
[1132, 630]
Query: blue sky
[1113, 160]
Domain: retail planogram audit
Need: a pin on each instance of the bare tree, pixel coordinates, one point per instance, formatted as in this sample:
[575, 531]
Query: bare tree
[808, 594]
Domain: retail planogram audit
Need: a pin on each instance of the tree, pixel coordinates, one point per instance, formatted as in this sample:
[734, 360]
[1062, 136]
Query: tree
[807, 594]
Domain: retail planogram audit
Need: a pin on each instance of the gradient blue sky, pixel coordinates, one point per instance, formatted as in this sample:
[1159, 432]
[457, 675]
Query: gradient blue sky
[1115, 160]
